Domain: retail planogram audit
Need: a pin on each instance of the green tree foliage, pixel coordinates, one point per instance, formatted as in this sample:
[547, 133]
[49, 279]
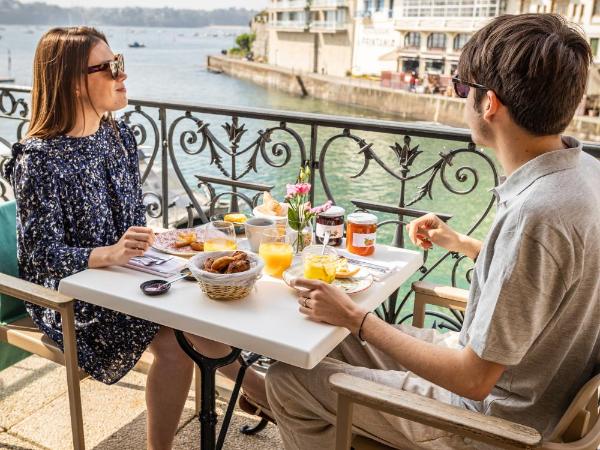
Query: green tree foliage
[244, 41]
[15, 12]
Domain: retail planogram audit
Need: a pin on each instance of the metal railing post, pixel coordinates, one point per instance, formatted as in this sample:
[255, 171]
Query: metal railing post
[164, 166]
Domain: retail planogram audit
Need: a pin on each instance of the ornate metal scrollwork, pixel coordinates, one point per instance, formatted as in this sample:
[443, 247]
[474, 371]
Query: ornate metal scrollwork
[166, 134]
[406, 155]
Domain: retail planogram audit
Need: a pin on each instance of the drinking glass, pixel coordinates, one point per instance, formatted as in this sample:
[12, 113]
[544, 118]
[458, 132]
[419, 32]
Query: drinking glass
[219, 235]
[276, 251]
[319, 264]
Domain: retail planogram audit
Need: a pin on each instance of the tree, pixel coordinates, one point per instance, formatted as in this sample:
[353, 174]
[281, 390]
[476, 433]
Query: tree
[244, 41]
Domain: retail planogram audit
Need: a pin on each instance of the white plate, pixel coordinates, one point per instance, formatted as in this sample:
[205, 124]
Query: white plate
[165, 242]
[358, 283]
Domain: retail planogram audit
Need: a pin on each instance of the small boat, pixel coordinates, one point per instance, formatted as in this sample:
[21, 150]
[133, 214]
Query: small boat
[136, 44]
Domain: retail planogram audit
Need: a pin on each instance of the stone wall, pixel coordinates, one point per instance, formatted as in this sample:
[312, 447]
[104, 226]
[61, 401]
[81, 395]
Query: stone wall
[401, 104]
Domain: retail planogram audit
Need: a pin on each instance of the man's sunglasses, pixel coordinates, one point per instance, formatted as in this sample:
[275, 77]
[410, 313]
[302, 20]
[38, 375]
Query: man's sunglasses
[114, 67]
[461, 88]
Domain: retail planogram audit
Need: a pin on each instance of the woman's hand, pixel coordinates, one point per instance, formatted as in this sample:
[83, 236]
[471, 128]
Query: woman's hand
[429, 229]
[326, 303]
[134, 242]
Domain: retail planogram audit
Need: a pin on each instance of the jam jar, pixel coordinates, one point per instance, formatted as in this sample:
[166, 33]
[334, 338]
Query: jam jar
[331, 220]
[361, 233]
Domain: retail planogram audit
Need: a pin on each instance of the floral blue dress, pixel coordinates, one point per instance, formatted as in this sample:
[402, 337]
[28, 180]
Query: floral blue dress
[73, 195]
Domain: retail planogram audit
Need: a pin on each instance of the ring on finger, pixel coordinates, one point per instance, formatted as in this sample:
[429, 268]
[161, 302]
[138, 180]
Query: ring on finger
[306, 303]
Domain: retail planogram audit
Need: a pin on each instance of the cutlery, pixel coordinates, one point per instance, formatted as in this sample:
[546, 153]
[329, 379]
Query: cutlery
[369, 265]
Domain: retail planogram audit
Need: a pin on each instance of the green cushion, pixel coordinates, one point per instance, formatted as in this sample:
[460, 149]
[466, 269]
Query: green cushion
[11, 309]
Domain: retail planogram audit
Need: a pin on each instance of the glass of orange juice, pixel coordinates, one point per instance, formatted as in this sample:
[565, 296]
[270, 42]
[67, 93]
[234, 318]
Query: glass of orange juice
[218, 236]
[276, 251]
[319, 263]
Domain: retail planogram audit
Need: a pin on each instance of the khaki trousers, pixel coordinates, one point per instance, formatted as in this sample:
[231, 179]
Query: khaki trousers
[305, 406]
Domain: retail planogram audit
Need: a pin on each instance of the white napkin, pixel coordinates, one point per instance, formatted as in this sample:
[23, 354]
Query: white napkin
[165, 270]
[377, 275]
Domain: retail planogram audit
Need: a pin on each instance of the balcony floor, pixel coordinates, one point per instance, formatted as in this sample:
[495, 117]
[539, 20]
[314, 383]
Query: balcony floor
[34, 413]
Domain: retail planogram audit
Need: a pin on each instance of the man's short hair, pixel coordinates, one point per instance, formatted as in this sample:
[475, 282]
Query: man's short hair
[537, 64]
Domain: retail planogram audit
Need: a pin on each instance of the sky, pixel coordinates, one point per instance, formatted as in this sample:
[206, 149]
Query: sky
[180, 4]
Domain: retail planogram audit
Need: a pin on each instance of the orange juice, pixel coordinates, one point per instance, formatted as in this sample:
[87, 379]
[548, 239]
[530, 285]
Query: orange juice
[320, 267]
[277, 257]
[219, 244]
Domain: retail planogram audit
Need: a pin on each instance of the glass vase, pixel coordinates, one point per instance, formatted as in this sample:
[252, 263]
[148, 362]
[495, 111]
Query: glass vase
[300, 240]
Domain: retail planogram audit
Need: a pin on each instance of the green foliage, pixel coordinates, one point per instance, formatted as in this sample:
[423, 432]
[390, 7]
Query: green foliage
[15, 12]
[244, 41]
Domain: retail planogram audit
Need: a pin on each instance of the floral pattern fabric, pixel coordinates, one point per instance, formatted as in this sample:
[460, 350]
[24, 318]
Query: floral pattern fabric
[73, 195]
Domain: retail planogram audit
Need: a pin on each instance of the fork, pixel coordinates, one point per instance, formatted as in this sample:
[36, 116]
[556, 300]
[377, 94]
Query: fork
[148, 260]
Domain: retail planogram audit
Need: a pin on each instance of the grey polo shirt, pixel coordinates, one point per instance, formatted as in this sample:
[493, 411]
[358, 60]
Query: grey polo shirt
[534, 303]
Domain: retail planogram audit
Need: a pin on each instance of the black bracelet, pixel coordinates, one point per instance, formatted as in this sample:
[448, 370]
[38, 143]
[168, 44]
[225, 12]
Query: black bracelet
[361, 325]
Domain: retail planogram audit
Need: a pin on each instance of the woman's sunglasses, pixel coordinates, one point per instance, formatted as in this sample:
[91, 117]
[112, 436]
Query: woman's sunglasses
[461, 88]
[115, 67]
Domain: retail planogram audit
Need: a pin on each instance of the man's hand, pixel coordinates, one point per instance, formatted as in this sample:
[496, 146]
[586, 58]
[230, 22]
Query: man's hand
[429, 229]
[326, 303]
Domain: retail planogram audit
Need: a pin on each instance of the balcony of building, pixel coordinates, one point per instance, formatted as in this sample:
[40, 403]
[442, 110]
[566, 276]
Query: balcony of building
[288, 5]
[289, 25]
[328, 4]
[327, 26]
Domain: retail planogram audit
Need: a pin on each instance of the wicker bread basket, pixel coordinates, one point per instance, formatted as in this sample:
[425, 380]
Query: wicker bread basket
[230, 286]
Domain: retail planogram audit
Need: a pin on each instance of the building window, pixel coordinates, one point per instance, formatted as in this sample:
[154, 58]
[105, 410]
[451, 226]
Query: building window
[594, 45]
[459, 41]
[379, 5]
[412, 39]
[436, 40]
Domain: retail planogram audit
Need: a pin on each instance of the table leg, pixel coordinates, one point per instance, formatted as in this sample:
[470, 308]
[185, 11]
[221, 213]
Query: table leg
[244, 364]
[208, 368]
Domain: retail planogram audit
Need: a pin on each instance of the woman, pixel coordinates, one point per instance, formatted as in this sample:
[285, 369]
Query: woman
[77, 185]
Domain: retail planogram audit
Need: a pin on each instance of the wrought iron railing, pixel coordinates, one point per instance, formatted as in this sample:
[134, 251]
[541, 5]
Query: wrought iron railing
[397, 170]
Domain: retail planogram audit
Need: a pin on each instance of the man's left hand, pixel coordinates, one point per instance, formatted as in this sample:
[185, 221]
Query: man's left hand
[326, 303]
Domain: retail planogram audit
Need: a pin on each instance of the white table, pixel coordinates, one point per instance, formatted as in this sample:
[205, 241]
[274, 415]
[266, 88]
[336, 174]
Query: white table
[266, 322]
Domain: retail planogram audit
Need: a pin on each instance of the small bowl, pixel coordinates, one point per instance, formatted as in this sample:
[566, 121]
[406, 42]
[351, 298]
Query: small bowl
[238, 227]
[279, 220]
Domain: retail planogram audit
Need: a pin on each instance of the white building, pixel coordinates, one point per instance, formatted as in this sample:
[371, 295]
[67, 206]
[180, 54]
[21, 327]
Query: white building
[431, 33]
[311, 35]
[374, 35]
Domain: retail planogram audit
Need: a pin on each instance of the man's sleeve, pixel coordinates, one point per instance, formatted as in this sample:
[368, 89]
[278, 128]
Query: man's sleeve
[524, 291]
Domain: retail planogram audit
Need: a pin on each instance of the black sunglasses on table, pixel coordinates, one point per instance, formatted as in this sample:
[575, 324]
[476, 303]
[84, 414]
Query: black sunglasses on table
[461, 88]
[114, 67]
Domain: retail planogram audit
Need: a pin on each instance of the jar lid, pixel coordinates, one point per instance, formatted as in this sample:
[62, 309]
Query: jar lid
[334, 211]
[362, 218]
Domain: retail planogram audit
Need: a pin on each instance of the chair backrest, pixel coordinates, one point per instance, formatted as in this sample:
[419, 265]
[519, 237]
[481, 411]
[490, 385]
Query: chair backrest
[581, 420]
[11, 309]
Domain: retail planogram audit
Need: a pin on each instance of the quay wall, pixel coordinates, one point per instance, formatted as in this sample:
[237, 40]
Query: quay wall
[367, 94]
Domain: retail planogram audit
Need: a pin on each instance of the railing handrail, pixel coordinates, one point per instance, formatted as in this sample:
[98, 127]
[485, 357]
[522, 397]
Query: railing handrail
[437, 131]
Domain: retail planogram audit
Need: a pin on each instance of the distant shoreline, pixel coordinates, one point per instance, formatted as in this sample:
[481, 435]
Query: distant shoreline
[13, 12]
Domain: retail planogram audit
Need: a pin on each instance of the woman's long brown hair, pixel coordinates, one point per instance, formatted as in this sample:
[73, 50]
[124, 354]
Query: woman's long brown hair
[59, 65]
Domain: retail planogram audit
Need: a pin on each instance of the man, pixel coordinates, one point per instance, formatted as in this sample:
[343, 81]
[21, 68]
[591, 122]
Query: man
[530, 337]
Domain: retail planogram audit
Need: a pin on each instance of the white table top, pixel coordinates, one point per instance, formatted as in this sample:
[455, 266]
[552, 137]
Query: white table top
[266, 322]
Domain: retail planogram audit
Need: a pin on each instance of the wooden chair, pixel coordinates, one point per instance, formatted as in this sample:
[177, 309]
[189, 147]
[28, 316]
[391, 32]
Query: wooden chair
[23, 334]
[578, 429]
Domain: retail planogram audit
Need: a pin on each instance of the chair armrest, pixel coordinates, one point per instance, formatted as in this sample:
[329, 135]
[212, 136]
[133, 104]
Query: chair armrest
[33, 293]
[433, 294]
[448, 294]
[431, 412]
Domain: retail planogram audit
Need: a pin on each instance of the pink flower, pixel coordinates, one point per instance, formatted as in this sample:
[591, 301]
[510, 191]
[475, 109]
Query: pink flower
[324, 207]
[298, 189]
[292, 189]
[303, 188]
